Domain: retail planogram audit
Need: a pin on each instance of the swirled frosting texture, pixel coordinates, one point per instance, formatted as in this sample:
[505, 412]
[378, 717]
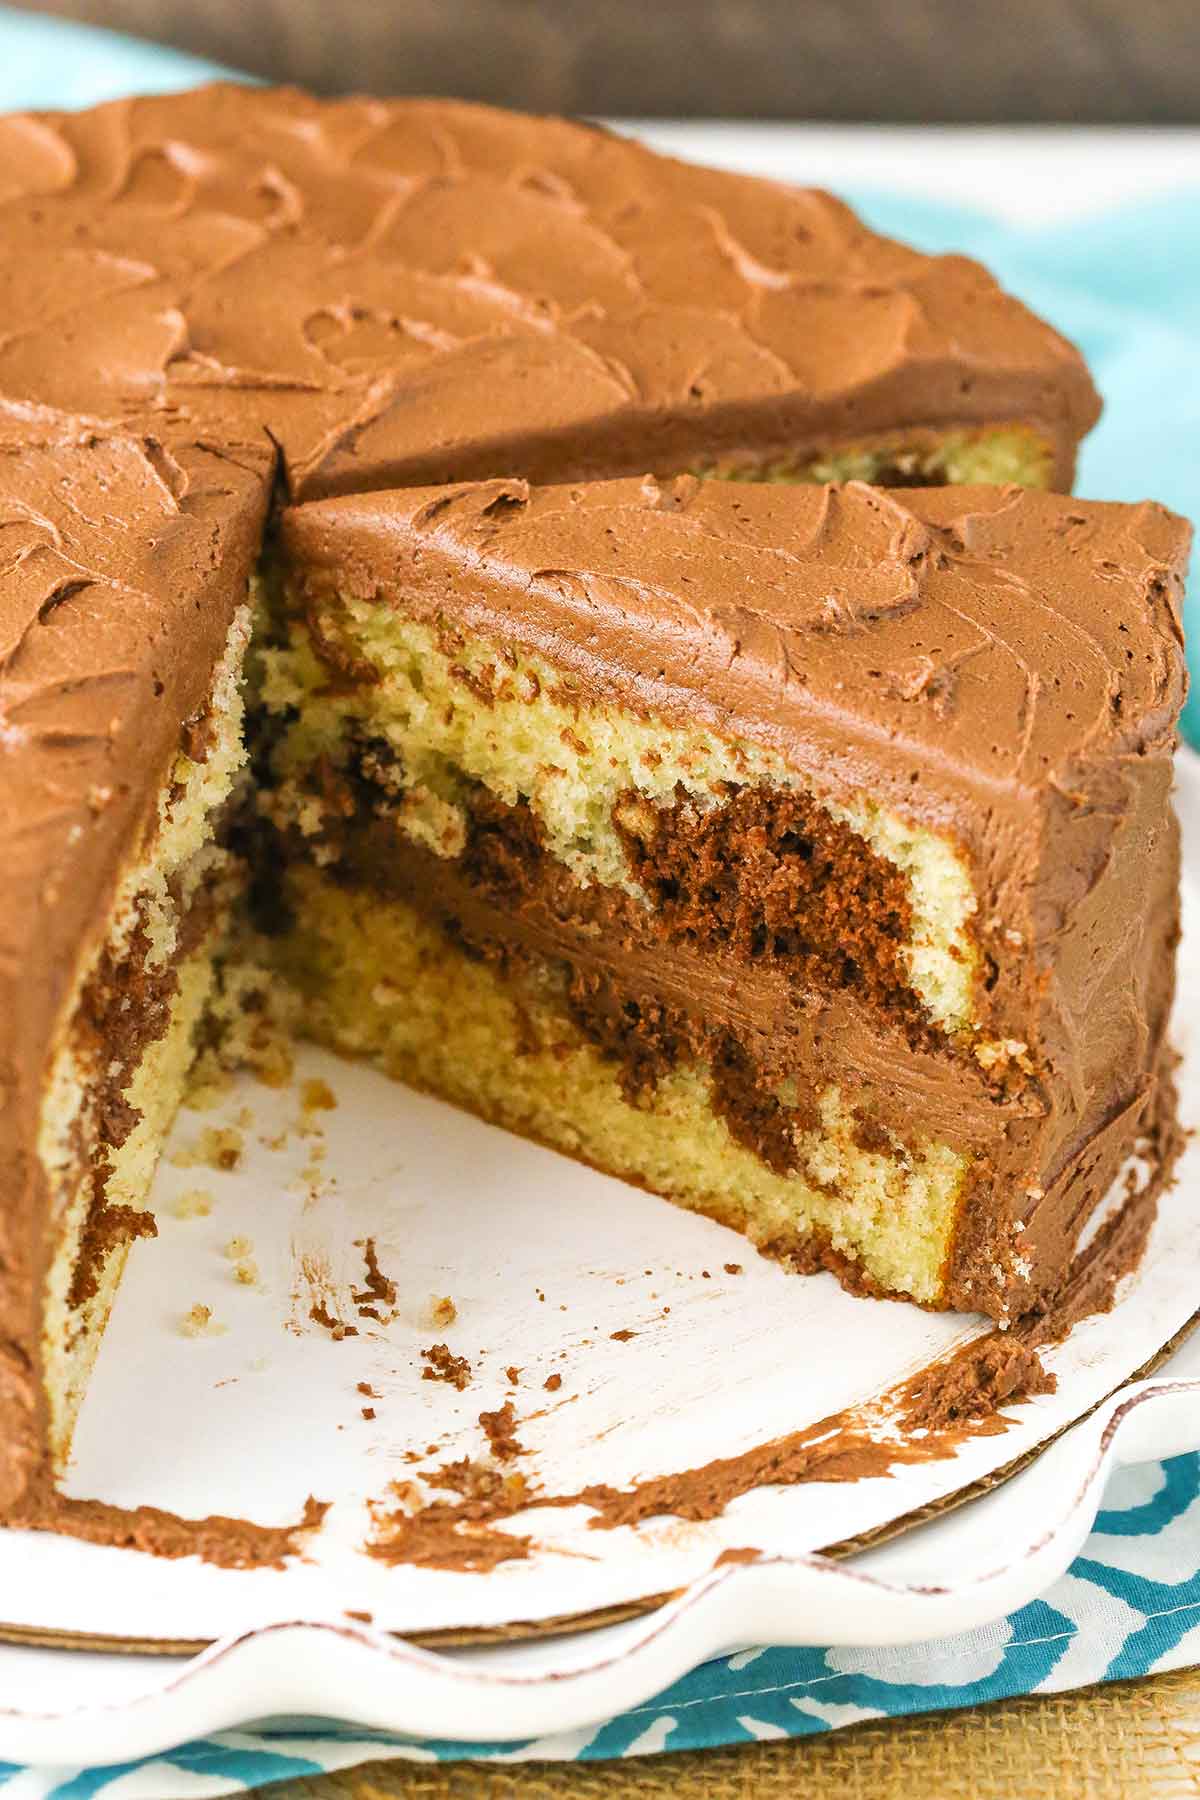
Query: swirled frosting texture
[1003, 666]
[425, 290]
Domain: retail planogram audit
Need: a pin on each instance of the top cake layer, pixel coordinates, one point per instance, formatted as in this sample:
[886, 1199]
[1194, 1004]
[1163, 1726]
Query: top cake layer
[418, 291]
[996, 637]
[1000, 668]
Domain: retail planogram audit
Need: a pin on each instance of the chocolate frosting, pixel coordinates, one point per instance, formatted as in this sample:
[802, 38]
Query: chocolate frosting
[1003, 666]
[427, 290]
[123, 564]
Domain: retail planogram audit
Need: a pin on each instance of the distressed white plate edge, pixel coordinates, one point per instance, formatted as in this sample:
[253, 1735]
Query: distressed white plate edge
[350, 1673]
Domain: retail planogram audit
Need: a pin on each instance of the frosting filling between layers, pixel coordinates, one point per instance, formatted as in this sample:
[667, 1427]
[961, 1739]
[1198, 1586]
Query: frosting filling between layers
[651, 1004]
[381, 977]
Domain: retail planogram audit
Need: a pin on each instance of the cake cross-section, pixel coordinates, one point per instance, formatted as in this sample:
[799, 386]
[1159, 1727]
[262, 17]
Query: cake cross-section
[805, 855]
[124, 621]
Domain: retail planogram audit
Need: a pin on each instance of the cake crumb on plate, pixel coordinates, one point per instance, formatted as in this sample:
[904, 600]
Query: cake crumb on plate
[445, 1366]
[193, 1203]
[217, 1147]
[199, 1322]
[317, 1096]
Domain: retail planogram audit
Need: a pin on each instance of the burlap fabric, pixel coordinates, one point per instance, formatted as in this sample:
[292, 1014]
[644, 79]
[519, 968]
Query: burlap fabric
[1118, 1742]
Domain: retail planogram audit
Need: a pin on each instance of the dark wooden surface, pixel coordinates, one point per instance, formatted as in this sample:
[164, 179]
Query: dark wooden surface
[1115, 61]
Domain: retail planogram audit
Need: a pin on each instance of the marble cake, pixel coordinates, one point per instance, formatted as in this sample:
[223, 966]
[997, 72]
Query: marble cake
[238, 327]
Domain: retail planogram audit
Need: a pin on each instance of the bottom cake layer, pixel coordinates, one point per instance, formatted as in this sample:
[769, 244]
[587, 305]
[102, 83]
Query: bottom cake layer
[380, 980]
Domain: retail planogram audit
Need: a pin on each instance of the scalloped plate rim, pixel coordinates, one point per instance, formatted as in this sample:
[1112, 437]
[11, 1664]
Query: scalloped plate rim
[292, 1666]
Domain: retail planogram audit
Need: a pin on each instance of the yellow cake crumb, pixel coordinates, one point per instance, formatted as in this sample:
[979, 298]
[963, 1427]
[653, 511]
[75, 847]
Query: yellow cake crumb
[274, 1065]
[208, 1084]
[222, 1147]
[217, 1147]
[441, 1310]
[238, 1247]
[193, 1203]
[199, 1322]
[993, 1053]
[317, 1096]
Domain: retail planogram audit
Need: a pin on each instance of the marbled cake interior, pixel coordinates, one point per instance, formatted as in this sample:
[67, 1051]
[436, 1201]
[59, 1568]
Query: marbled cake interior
[711, 794]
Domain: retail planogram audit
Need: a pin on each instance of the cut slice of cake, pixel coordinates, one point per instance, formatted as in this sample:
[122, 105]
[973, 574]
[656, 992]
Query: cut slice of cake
[414, 291]
[803, 854]
[124, 618]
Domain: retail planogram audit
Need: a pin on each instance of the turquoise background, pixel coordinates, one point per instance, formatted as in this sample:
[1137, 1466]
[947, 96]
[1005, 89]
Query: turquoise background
[1124, 286]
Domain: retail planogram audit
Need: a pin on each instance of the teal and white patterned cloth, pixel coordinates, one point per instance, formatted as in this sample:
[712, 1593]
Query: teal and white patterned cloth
[1124, 286]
